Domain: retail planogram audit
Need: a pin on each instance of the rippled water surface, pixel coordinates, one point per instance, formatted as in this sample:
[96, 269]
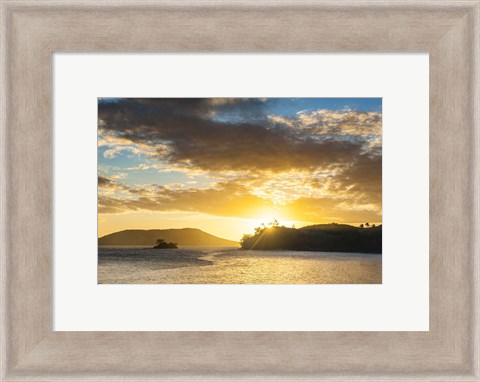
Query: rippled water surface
[128, 265]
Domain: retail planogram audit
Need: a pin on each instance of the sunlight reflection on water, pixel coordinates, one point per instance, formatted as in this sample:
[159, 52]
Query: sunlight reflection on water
[233, 266]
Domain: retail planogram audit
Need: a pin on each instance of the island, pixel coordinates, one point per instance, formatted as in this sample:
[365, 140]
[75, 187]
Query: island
[320, 237]
[161, 244]
[184, 237]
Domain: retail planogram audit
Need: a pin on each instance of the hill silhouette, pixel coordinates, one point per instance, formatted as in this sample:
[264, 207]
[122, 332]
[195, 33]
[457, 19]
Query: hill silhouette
[183, 237]
[320, 237]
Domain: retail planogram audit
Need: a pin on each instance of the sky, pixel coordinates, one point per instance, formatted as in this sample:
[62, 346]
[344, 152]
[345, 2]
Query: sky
[226, 165]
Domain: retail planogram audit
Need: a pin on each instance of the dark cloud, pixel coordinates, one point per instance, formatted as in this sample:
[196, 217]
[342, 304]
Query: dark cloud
[131, 113]
[197, 137]
[104, 182]
[110, 184]
[362, 178]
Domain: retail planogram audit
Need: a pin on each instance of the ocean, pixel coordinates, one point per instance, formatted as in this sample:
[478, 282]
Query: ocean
[213, 265]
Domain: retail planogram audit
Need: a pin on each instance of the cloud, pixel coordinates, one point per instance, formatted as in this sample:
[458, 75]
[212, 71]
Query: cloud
[321, 165]
[363, 177]
[186, 132]
[108, 185]
[364, 127]
[332, 209]
[104, 182]
[232, 199]
[227, 199]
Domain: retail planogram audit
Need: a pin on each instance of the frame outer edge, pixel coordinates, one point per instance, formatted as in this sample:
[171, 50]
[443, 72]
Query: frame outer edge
[474, 186]
[475, 320]
[4, 335]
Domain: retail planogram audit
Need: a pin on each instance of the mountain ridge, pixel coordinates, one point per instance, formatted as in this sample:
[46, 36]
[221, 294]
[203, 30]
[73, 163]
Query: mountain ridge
[319, 237]
[193, 237]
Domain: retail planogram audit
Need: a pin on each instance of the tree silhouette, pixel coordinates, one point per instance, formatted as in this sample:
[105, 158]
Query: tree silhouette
[367, 224]
[163, 244]
[327, 238]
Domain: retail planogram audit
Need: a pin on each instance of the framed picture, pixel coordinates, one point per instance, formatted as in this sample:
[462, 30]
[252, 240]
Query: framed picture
[239, 191]
[217, 167]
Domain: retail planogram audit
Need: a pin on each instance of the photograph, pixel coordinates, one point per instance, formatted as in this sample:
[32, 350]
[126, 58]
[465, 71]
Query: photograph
[239, 190]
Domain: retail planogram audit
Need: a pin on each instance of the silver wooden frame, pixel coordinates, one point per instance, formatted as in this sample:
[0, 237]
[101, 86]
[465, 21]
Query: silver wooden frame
[32, 30]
